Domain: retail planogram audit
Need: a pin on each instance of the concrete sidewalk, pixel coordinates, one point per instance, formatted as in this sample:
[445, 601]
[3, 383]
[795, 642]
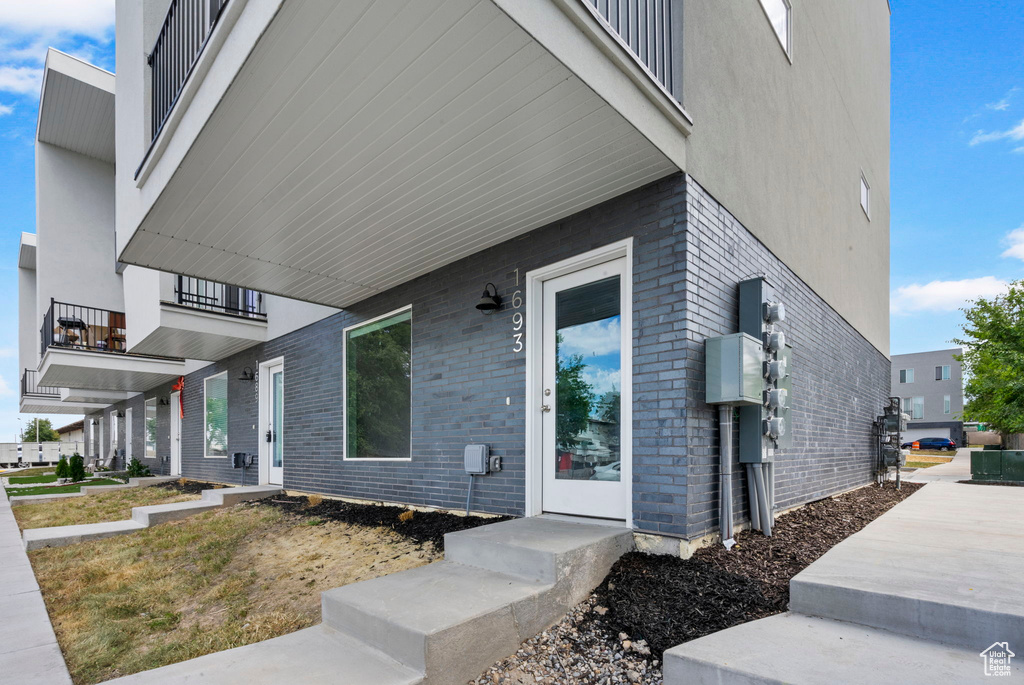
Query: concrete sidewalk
[956, 470]
[914, 597]
[28, 647]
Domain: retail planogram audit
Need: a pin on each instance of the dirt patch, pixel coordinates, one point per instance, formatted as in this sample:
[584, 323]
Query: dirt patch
[188, 487]
[211, 582]
[418, 526]
[666, 600]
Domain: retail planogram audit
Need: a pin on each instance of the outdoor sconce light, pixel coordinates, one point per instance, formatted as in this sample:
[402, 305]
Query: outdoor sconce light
[247, 374]
[489, 302]
[120, 414]
[163, 402]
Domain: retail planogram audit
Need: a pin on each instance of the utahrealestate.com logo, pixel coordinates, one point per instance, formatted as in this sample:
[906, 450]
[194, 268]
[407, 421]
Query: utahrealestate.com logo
[997, 659]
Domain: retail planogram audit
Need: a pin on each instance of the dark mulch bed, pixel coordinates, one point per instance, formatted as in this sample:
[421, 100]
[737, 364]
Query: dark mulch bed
[666, 600]
[421, 527]
[188, 487]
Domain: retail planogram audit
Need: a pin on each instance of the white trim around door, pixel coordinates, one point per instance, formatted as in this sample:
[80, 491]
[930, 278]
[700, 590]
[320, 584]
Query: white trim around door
[621, 250]
[271, 426]
[128, 456]
[175, 466]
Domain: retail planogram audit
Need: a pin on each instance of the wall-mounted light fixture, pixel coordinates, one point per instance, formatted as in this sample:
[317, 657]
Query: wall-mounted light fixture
[163, 401]
[247, 374]
[120, 414]
[489, 302]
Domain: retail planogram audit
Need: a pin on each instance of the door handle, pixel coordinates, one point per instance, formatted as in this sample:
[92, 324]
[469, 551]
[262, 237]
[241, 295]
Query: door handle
[545, 408]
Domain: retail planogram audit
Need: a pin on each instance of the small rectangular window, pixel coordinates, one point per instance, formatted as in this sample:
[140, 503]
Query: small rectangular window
[865, 196]
[378, 388]
[215, 398]
[778, 13]
[151, 428]
[906, 375]
[942, 373]
[945, 404]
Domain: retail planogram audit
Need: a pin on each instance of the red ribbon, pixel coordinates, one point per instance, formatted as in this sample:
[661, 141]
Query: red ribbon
[179, 388]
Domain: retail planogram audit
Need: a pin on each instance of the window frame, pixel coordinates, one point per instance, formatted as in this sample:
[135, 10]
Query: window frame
[344, 387]
[944, 372]
[913, 414]
[227, 423]
[152, 401]
[906, 376]
[865, 195]
[787, 46]
[947, 404]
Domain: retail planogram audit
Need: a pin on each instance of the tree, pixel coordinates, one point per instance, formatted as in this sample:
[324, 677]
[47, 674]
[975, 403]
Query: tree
[76, 468]
[993, 360]
[63, 470]
[46, 432]
[575, 398]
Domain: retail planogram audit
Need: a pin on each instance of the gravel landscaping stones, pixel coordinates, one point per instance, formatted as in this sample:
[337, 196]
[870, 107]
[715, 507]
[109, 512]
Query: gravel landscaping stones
[419, 526]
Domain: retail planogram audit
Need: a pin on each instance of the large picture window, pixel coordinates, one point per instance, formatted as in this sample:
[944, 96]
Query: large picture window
[378, 388]
[151, 428]
[215, 400]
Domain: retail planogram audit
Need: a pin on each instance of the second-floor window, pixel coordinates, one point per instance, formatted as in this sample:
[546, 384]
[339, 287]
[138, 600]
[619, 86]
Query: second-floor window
[906, 375]
[914, 406]
[942, 373]
[945, 404]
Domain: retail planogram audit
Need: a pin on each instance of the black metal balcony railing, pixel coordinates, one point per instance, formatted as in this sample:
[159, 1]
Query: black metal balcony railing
[181, 40]
[645, 28]
[82, 328]
[30, 385]
[217, 297]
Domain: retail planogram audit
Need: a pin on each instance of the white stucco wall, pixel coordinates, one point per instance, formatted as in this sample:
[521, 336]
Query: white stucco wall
[285, 316]
[141, 302]
[782, 144]
[75, 258]
[28, 323]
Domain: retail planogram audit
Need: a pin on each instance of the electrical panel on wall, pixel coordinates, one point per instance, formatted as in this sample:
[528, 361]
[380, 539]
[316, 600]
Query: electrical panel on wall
[766, 427]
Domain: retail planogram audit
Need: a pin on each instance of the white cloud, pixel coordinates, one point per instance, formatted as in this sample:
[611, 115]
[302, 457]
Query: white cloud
[592, 339]
[602, 380]
[22, 80]
[93, 18]
[5, 109]
[8, 352]
[1004, 104]
[1015, 241]
[5, 389]
[1015, 133]
[944, 296]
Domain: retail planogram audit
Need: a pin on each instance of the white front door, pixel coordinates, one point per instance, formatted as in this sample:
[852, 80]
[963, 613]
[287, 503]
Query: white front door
[128, 435]
[272, 422]
[113, 434]
[175, 434]
[585, 362]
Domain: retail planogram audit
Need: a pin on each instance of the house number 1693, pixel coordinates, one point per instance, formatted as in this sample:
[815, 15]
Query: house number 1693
[517, 318]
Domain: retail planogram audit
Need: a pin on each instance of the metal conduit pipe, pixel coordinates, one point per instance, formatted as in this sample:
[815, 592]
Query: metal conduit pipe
[755, 514]
[725, 449]
[762, 501]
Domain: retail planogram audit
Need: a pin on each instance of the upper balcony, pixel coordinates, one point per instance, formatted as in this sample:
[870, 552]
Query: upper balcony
[41, 399]
[330, 151]
[192, 318]
[85, 347]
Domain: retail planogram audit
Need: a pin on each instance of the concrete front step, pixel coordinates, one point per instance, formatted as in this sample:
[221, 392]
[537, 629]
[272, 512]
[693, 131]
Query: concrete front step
[498, 586]
[61, 536]
[941, 565]
[314, 656]
[144, 517]
[93, 490]
[804, 650]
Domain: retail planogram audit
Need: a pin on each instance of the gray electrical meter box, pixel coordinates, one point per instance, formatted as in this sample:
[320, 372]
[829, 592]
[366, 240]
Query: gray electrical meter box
[476, 459]
[733, 370]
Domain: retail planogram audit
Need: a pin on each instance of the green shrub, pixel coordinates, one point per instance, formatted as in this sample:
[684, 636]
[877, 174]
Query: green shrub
[136, 469]
[76, 468]
[62, 467]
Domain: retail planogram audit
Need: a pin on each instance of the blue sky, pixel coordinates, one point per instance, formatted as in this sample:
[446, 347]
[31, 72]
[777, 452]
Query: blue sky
[957, 193]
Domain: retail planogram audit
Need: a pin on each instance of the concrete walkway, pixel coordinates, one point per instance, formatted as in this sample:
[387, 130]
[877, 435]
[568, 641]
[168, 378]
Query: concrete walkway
[144, 517]
[28, 647]
[86, 490]
[441, 624]
[914, 597]
[956, 470]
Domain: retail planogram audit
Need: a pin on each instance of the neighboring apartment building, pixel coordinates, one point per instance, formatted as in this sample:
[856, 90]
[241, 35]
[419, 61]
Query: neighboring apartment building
[606, 174]
[931, 385]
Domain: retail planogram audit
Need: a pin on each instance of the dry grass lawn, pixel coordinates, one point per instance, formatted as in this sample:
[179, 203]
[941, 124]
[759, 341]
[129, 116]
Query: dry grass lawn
[204, 584]
[115, 505]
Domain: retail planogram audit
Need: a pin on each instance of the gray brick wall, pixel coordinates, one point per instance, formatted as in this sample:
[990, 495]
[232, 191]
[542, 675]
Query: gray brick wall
[689, 254]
